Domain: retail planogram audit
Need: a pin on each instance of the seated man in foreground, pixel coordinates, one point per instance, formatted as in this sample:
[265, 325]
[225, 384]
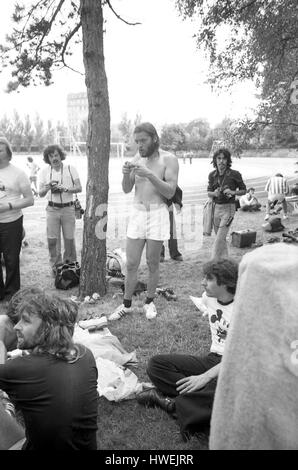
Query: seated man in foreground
[190, 381]
[55, 386]
[248, 202]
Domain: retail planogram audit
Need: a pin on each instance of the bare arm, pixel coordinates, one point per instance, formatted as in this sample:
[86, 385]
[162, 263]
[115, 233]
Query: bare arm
[3, 353]
[128, 179]
[26, 201]
[76, 188]
[196, 382]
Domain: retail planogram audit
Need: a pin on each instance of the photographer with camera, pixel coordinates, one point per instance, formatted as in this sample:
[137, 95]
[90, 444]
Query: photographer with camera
[59, 182]
[223, 185]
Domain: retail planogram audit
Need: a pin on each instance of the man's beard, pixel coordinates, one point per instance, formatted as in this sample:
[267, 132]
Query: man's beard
[151, 150]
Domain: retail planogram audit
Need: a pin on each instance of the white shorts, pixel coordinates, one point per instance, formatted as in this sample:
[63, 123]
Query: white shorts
[149, 224]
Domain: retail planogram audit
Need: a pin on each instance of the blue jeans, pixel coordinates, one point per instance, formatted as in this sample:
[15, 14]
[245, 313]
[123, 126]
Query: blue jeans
[222, 219]
[57, 219]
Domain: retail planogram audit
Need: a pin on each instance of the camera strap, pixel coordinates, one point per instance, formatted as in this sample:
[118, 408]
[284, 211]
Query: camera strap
[220, 185]
[61, 182]
[76, 197]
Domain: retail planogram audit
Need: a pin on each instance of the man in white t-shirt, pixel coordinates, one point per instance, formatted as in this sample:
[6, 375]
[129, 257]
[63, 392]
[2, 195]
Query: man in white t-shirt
[190, 381]
[248, 202]
[59, 182]
[15, 194]
[33, 168]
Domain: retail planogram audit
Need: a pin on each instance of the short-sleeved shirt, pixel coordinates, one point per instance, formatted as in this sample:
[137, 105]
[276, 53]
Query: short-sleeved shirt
[277, 185]
[232, 179]
[219, 321]
[66, 176]
[14, 180]
[33, 167]
[58, 399]
[244, 201]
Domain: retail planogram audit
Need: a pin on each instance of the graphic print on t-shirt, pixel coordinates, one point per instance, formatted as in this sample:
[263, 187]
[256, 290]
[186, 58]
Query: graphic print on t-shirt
[222, 325]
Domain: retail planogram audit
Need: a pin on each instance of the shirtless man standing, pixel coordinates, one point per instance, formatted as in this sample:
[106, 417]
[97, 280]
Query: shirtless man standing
[154, 174]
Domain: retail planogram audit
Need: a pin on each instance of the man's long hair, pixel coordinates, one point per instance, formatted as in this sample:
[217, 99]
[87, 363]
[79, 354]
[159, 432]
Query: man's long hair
[50, 149]
[225, 271]
[17, 299]
[150, 130]
[58, 320]
[227, 155]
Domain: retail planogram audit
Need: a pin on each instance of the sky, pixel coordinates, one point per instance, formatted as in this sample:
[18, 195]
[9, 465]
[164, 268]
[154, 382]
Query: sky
[153, 69]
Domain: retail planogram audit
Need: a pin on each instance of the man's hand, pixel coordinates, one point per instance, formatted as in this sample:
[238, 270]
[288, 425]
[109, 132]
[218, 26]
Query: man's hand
[142, 171]
[216, 192]
[228, 192]
[127, 168]
[191, 383]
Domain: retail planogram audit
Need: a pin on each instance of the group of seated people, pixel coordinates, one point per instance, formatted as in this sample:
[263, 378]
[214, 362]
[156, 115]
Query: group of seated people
[53, 382]
[41, 326]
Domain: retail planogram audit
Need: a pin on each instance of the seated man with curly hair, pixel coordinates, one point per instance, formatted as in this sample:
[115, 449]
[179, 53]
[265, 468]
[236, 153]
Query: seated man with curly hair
[55, 386]
[190, 381]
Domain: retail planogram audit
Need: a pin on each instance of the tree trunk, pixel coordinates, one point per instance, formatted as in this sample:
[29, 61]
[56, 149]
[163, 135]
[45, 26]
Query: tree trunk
[93, 270]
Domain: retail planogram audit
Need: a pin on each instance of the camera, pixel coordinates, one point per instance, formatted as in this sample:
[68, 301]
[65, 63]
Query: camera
[228, 196]
[53, 185]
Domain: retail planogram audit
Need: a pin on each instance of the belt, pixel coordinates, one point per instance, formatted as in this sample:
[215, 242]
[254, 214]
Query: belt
[56, 204]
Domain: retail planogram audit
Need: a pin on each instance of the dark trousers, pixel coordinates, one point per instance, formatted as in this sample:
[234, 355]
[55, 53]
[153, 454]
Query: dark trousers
[10, 247]
[193, 409]
[172, 242]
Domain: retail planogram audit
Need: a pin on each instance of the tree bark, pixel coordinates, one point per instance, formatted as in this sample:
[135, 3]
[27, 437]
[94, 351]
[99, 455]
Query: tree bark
[93, 269]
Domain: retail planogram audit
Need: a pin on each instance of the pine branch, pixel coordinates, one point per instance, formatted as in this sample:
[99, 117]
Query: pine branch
[49, 26]
[118, 16]
[69, 37]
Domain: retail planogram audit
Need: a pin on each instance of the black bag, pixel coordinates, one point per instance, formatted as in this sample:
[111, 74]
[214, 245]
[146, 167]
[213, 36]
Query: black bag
[67, 276]
[177, 198]
[79, 211]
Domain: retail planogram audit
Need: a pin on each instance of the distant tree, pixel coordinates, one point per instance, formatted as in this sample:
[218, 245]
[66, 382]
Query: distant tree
[6, 127]
[50, 133]
[28, 133]
[84, 130]
[255, 40]
[126, 128]
[17, 130]
[39, 135]
[39, 44]
[198, 132]
[173, 137]
[137, 120]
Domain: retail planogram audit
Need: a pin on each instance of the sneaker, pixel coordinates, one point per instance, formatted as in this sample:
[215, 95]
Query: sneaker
[120, 312]
[266, 217]
[150, 311]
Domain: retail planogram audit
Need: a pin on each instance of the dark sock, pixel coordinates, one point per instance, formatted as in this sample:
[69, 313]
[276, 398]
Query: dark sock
[127, 303]
[149, 300]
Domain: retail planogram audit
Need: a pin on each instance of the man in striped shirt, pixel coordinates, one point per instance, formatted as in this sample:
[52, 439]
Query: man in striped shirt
[277, 187]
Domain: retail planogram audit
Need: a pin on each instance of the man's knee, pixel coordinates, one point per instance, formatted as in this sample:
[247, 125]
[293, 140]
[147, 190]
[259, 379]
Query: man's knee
[52, 242]
[152, 366]
[132, 265]
[153, 264]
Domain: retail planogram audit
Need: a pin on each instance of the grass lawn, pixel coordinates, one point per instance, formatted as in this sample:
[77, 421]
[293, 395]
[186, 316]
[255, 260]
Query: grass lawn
[178, 328]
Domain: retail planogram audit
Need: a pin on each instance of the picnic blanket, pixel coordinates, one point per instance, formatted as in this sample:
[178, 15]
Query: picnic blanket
[115, 381]
[256, 404]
